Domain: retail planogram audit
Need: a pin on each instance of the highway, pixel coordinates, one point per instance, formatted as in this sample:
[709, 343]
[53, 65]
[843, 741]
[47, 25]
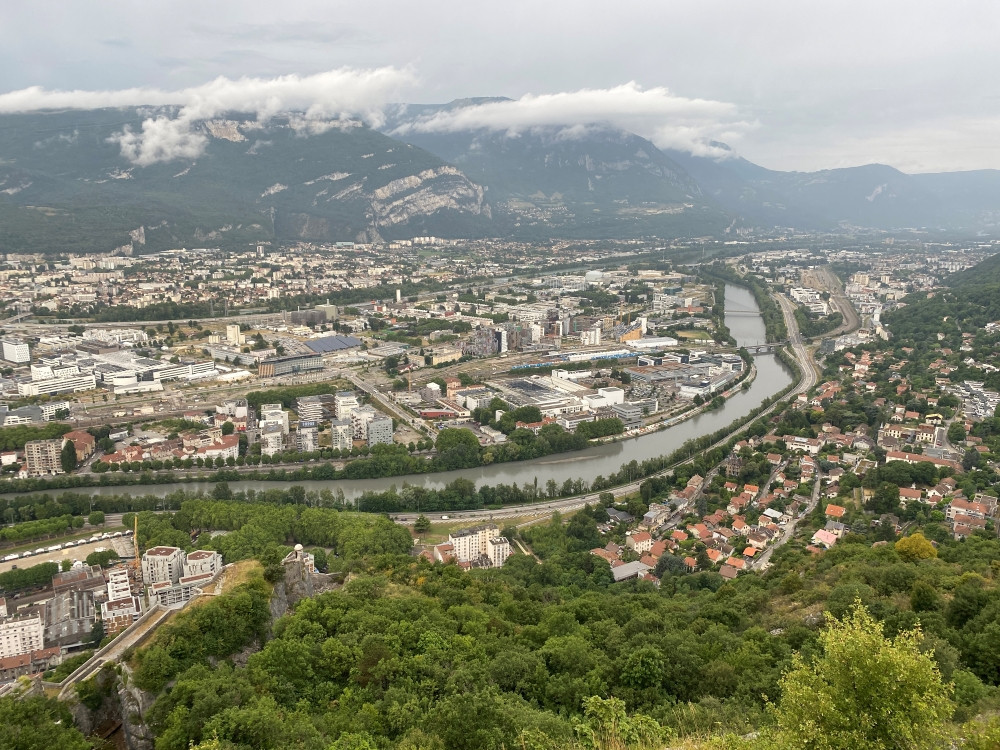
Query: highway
[810, 375]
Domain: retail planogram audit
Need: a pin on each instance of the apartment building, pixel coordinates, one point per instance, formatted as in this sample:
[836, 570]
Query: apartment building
[168, 594]
[380, 431]
[43, 457]
[345, 402]
[202, 561]
[272, 440]
[307, 437]
[360, 418]
[161, 564]
[119, 586]
[274, 414]
[480, 546]
[319, 408]
[21, 634]
[341, 435]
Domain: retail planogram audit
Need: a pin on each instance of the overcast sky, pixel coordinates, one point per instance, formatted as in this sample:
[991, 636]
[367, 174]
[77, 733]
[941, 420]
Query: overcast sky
[789, 84]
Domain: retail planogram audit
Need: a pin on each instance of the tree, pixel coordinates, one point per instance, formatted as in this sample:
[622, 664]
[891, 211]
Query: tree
[915, 547]
[607, 726]
[228, 428]
[68, 456]
[956, 432]
[38, 724]
[422, 524]
[924, 597]
[96, 518]
[865, 690]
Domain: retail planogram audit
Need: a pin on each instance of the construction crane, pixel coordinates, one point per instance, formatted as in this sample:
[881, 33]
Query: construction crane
[135, 547]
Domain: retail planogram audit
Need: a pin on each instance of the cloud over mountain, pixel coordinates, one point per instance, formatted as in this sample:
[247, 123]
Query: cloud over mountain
[335, 94]
[670, 121]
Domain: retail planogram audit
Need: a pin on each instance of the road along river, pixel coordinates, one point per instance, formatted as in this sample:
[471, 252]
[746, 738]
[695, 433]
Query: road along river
[605, 459]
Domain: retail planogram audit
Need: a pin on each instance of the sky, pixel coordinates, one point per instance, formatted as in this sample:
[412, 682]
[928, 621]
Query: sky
[787, 84]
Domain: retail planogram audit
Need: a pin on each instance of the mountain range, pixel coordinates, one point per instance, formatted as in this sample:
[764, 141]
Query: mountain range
[67, 183]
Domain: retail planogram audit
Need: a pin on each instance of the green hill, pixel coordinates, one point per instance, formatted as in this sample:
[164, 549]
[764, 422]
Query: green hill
[970, 301]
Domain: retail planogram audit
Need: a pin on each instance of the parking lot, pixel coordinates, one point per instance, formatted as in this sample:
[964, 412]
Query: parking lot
[78, 552]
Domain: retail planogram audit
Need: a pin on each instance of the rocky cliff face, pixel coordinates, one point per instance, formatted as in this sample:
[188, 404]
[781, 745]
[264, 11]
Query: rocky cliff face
[425, 194]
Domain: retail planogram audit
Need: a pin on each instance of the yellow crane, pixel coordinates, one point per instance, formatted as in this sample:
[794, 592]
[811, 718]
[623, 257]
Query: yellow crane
[135, 545]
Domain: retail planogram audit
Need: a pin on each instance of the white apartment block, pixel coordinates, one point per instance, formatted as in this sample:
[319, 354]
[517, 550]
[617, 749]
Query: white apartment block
[272, 440]
[162, 564]
[307, 437]
[498, 550]
[21, 634]
[472, 545]
[49, 409]
[380, 431]
[119, 586]
[202, 561]
[273, 414]
[315, 408]
[341, 434]
[590, 337]
[360, 418]
[344, 403]
[15, 351]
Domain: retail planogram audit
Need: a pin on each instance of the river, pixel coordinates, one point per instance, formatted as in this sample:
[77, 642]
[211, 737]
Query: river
[772, 376]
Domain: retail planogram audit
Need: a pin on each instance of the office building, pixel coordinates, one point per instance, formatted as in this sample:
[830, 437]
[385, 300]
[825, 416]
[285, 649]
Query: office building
[15, 350]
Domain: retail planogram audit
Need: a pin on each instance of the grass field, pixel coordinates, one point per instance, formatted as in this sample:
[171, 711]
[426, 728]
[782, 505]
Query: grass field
[694, 335]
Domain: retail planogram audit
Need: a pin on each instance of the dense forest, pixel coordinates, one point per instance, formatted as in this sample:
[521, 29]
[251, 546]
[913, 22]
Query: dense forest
[970, 301]
[551, 654]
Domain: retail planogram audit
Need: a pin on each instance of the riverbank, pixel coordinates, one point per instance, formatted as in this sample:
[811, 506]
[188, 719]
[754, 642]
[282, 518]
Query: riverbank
[592, 465]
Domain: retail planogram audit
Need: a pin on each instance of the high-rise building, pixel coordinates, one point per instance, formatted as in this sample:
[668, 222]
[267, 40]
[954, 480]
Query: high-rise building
[341, 435]
[380, 431]
[43, 457]
[307, 437]
[233, 335]
[119, 586]
[360, 418]
[498, 550]
[272, 439]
